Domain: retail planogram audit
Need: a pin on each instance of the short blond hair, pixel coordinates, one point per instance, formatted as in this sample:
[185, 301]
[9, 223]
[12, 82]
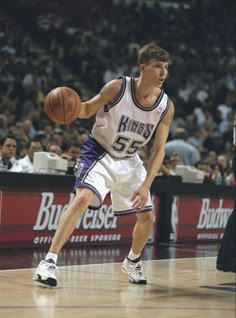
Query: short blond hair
[152, 51]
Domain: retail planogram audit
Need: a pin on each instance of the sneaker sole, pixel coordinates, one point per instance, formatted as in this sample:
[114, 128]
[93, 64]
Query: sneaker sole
[140, 282]
[49, 281]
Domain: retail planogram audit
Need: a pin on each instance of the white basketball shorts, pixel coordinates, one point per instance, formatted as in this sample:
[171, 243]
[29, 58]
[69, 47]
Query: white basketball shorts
[102, 173]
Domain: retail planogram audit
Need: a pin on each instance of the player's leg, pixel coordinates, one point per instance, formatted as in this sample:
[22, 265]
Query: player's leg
[47, 269]
[141, 231]
[91, 188]
[226, 259]
[132, 264]
[69, 219]
[121, 195]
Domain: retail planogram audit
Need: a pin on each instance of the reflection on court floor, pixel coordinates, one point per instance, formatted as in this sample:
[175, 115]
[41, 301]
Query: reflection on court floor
[182, 287]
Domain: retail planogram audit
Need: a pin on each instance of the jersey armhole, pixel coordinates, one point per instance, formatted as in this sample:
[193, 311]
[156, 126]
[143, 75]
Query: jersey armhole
[121, 94]
[167, 108]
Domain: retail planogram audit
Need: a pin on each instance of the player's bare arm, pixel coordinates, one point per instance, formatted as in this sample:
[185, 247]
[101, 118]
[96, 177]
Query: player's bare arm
[108, 94]
[157, 155]
[158, 148]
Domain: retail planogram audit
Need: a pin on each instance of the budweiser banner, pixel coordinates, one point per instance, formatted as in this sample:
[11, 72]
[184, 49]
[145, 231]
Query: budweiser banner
[30, 219]
[200, 219]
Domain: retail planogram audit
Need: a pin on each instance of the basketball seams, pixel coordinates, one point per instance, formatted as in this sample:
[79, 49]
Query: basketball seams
[70, 94]
[74, 105]
[62, 105]
[51, 107]
[74, 109]
[63, 102]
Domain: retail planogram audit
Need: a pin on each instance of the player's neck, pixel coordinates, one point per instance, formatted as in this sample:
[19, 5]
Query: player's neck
[143, 89]
[146, 95]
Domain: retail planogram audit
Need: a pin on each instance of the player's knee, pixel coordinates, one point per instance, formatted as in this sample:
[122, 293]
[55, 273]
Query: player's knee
[83, 198]
[146, 217]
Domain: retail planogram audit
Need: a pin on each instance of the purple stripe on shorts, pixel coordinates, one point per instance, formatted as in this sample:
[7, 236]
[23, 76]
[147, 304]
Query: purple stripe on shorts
[91, 152]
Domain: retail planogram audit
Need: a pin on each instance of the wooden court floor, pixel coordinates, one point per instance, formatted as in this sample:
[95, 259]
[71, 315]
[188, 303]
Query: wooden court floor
[177, 287]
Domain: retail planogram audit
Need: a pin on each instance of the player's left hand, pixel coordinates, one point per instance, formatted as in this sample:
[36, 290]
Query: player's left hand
[140, 198]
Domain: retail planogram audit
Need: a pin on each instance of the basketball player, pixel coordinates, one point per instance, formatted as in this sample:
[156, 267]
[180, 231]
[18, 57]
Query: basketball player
[128, 112]
[226, 258]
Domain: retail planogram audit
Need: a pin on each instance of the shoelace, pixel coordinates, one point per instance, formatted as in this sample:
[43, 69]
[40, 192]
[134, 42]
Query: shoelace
[51, 267]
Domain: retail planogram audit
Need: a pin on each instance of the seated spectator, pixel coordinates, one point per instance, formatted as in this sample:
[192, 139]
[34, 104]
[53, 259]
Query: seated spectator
[43, 137]
[211, 157]
[217, 174]
[54, 148]
[226, 123]
[25, 164]
[174, 161]
[58, 136]
[230, 177]
[22, 152]
[169, 164]
[204, 166]
[72, 154]
[79, 134]
[83, 135]
[165, 167]
[71, 151]
[197, 138]
[223, 162]
[227, 150]
[3, 124]
[8, 146]
[188, 154]
[29, 129]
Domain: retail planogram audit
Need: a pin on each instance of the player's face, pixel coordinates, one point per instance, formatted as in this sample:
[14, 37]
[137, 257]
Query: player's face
[155, 72]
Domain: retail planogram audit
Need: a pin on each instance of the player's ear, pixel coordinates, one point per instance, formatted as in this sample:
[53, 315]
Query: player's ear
[142, 67]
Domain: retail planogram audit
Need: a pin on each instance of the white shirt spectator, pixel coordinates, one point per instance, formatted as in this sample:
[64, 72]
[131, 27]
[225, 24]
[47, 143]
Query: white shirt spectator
[224, 110]
[202, 96]
[23, 165]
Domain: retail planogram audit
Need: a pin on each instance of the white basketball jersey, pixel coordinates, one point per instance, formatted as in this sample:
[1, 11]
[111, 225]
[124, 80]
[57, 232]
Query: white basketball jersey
[124, 126]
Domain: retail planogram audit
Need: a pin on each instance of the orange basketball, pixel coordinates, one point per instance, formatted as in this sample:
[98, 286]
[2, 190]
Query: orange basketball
[62, 105]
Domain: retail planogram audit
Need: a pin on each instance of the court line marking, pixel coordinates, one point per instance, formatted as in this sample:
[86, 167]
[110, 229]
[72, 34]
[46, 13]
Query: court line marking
[116, 263]
[206, 309]
[118, 307]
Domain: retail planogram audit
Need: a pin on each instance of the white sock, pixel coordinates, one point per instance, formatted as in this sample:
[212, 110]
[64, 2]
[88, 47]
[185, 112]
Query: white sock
[132, 256]
[52, 256]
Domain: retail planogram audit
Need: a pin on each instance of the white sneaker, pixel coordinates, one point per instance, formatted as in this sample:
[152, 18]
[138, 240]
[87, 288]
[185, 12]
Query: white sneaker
[46, 273]
[134, 270]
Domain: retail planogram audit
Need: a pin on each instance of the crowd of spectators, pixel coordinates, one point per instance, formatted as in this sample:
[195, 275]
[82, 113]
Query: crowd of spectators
[87, 43]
